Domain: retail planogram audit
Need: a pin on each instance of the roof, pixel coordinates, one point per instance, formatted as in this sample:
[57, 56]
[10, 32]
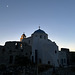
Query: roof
[39, 31]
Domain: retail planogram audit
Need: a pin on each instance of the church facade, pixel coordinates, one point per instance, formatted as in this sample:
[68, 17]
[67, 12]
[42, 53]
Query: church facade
[44, 51]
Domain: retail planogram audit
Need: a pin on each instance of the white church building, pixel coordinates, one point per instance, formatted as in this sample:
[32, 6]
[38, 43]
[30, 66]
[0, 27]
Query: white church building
[44, 51]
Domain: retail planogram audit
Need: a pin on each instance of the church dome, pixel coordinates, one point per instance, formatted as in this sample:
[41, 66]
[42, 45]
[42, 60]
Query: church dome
[39, 31]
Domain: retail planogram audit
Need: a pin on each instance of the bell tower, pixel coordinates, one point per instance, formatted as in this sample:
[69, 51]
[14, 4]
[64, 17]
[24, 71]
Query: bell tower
[22, 37]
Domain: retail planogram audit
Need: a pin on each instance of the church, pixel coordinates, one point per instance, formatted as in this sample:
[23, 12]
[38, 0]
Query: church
[44, 51]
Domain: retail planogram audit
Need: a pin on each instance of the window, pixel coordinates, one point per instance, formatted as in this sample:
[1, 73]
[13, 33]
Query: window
[55, 51]
[40, 36]
[36, 56]
[16, 45]
[48, 62]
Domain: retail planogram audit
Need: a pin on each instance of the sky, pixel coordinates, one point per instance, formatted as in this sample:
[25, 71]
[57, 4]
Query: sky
[55, 17]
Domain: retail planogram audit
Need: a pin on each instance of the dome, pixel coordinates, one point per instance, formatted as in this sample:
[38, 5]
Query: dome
[39, 31]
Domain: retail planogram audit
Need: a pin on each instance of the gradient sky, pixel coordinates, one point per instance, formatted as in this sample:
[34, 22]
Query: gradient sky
[55, 17]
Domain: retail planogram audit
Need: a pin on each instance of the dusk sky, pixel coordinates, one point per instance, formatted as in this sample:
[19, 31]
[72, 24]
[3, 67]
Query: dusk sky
[55, 17]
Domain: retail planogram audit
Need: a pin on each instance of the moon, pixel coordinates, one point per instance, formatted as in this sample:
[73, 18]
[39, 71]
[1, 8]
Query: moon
[7, 6]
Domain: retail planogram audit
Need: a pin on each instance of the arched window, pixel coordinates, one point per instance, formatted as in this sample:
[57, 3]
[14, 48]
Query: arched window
[44, 37]
[40, 36]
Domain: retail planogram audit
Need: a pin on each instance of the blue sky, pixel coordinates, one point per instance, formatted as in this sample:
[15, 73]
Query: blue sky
[55, 17]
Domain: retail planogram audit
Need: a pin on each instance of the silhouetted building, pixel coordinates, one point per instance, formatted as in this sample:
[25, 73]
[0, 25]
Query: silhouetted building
[72, 58]
[68, 56]
[62, 58]
[38, 48]
[44, 51]
[12, 50]
[66, 50]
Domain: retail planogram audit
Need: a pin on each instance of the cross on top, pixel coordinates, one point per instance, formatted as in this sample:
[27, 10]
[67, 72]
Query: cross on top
[39, 27]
